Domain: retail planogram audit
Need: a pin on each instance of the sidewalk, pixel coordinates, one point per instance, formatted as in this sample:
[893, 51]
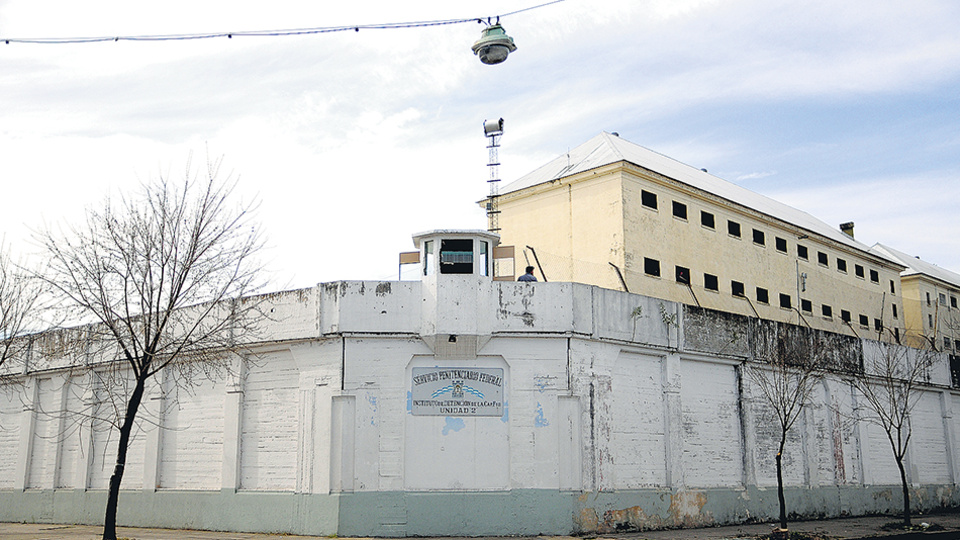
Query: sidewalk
[839, 529]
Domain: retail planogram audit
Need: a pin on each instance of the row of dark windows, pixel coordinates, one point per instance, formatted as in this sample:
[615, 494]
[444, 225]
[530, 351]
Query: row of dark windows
[708, 220]
[943, 300]
[712, 283]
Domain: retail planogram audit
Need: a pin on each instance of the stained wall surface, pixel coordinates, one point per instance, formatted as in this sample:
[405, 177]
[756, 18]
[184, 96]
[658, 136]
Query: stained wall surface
[619, 411]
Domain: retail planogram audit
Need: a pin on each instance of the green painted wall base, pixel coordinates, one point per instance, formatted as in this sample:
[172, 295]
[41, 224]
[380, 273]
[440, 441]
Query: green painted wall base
[518, 512]
[205, 510]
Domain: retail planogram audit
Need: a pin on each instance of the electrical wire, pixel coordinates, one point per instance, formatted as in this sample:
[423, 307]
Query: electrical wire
[270, 33]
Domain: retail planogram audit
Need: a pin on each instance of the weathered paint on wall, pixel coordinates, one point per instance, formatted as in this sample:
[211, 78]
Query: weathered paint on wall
[621, 412]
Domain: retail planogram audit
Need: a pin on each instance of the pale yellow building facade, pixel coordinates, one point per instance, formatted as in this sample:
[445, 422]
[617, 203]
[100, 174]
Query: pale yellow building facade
[617, 215]
[931, 302]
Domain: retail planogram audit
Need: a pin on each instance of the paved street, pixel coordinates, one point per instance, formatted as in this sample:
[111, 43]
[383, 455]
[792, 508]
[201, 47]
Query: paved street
[840, 529]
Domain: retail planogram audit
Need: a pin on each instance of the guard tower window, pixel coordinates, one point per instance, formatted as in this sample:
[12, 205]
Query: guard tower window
[683, 275]
[651, 267]
[484, 258]
[679, 210]
[456, 256]
[430, 259]
[648, 199]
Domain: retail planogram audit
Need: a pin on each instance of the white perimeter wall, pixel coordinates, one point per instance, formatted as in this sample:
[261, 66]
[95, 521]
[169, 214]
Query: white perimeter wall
[596, 400]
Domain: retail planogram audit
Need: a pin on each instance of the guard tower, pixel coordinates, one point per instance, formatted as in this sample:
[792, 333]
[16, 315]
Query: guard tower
[460, 252]
[456, 275]
[456, 252]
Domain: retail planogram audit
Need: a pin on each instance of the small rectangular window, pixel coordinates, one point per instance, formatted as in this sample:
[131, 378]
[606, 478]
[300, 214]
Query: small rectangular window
[651, 267]
[874, 276]
[802, 252]
[946, 344]
[683, 275]
[707, 220]
[956, 344]
[928, 299]
[737, 288]
[894, 310]
[893, 290]
[785, 301]
[679, 210]
[877, 325]
[806, 306]
[781, 244]
[864, 321]
[710, 282]
[953, 302]
[842, 265]
[943, 299]
[648, 199]
[930, 321]
[733, 228]
[763, 296]
[822, 258]
[826, 311]
[758, 238]
[844, 315]
[858, 270]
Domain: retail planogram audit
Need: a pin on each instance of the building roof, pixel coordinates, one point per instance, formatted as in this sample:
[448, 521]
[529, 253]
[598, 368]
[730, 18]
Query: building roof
[607, 148]
[916, 266]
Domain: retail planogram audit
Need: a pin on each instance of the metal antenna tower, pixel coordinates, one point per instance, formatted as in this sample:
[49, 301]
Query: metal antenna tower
[493, 129]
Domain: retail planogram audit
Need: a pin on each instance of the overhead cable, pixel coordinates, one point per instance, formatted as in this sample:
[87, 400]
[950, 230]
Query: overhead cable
[270, 33]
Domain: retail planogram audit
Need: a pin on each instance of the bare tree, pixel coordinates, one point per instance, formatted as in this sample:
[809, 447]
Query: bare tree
[160, 277]
[890, 384]
[787, 364]
[18, 306]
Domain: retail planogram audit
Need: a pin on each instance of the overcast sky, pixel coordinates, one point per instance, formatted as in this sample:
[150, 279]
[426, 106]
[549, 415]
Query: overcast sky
[353, 141]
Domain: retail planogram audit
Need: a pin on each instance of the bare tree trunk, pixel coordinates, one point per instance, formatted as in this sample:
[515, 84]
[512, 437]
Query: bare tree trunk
[783, 503]
[110, 519]
[906, 494]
